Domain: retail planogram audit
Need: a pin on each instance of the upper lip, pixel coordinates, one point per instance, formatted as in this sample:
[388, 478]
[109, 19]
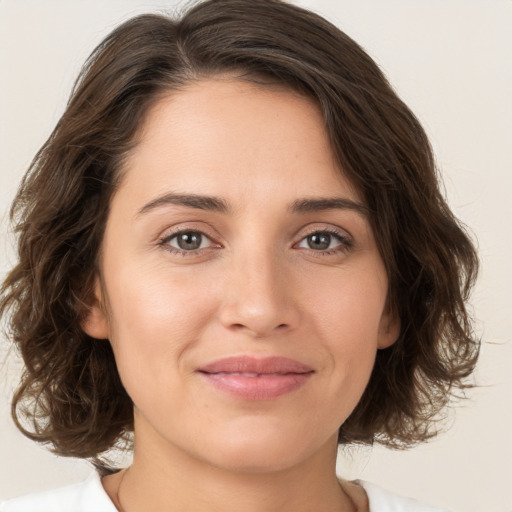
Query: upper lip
[255, 365]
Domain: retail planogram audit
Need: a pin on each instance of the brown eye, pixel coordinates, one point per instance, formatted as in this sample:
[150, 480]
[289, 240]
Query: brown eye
[325, 241]
[319, 241]
[189, 241]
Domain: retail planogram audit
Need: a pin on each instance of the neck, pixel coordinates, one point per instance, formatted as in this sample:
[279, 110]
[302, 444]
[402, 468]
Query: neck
[170, 480]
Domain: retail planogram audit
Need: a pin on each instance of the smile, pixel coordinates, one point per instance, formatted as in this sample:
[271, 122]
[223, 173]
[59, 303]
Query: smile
[250, 378]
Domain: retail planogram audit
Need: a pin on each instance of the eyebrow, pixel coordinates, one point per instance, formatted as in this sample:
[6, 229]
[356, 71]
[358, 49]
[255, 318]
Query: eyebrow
[217, 204]
[328, 203]
[200, 202]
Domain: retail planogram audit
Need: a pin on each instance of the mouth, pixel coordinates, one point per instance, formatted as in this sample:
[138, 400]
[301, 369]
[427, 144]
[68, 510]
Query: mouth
[251, 378]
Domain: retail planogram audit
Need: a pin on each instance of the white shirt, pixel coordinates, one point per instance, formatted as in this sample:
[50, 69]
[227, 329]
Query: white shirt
[89, 496]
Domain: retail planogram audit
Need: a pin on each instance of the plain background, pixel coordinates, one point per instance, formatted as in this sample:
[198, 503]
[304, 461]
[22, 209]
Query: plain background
[450, 60]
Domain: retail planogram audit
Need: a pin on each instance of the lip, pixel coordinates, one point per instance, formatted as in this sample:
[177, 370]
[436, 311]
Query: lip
[252, 378]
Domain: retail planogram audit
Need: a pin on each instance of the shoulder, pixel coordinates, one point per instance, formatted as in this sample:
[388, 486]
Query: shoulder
[382, 500]
[87, 496]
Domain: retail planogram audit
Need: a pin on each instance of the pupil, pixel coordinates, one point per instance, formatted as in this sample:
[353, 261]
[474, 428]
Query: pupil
[319, 242]
[190, 240]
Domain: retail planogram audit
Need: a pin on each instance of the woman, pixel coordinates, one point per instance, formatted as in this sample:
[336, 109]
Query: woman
[234, 246]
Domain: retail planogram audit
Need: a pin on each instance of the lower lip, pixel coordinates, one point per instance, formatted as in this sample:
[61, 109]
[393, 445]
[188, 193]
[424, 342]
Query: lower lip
[263, 387]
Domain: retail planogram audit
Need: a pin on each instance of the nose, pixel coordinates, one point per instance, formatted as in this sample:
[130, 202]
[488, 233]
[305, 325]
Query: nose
[259, 296]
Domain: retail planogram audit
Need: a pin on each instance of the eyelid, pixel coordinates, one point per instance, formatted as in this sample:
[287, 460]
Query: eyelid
[205, 239]
[333, 230]
[169, 234]
[346, 240]
[326, 227]
[342, 235]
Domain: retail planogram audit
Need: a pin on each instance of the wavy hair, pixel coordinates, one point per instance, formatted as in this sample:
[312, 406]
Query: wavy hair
[70, 394]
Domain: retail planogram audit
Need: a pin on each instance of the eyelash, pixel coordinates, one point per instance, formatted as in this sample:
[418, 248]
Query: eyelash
[345, 246]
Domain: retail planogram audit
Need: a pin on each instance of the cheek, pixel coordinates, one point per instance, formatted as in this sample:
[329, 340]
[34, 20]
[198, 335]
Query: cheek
[153, 299]
[154, 320]
[349, 306]
[347, 317]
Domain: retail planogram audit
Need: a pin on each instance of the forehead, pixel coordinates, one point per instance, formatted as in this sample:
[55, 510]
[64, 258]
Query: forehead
[228, 110]
[222, 136]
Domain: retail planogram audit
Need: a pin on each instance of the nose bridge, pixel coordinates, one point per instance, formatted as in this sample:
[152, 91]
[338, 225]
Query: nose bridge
[258, 292]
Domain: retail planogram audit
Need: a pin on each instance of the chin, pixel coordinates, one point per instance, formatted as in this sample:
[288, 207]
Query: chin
[255, 463]
[270, 453]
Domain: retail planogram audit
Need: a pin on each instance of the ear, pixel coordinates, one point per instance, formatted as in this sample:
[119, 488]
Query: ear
[95, 321]
[389, 328]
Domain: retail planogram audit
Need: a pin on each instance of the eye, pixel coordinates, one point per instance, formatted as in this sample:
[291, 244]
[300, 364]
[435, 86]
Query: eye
[325, 241]
[187, 241]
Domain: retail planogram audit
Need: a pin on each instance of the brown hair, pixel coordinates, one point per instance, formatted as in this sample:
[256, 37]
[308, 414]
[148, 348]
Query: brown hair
[70, 390]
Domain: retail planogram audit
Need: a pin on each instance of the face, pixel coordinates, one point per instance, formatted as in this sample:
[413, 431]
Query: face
[245, 295]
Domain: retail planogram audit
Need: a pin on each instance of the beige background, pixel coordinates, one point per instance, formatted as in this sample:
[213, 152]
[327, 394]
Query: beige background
[451, 62]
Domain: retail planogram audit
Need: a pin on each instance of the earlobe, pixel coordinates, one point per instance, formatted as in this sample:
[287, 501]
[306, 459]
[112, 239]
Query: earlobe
[95, 322]
[389, 328]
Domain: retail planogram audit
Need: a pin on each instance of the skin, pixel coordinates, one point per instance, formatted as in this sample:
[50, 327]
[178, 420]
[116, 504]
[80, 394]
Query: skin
[254, 287]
